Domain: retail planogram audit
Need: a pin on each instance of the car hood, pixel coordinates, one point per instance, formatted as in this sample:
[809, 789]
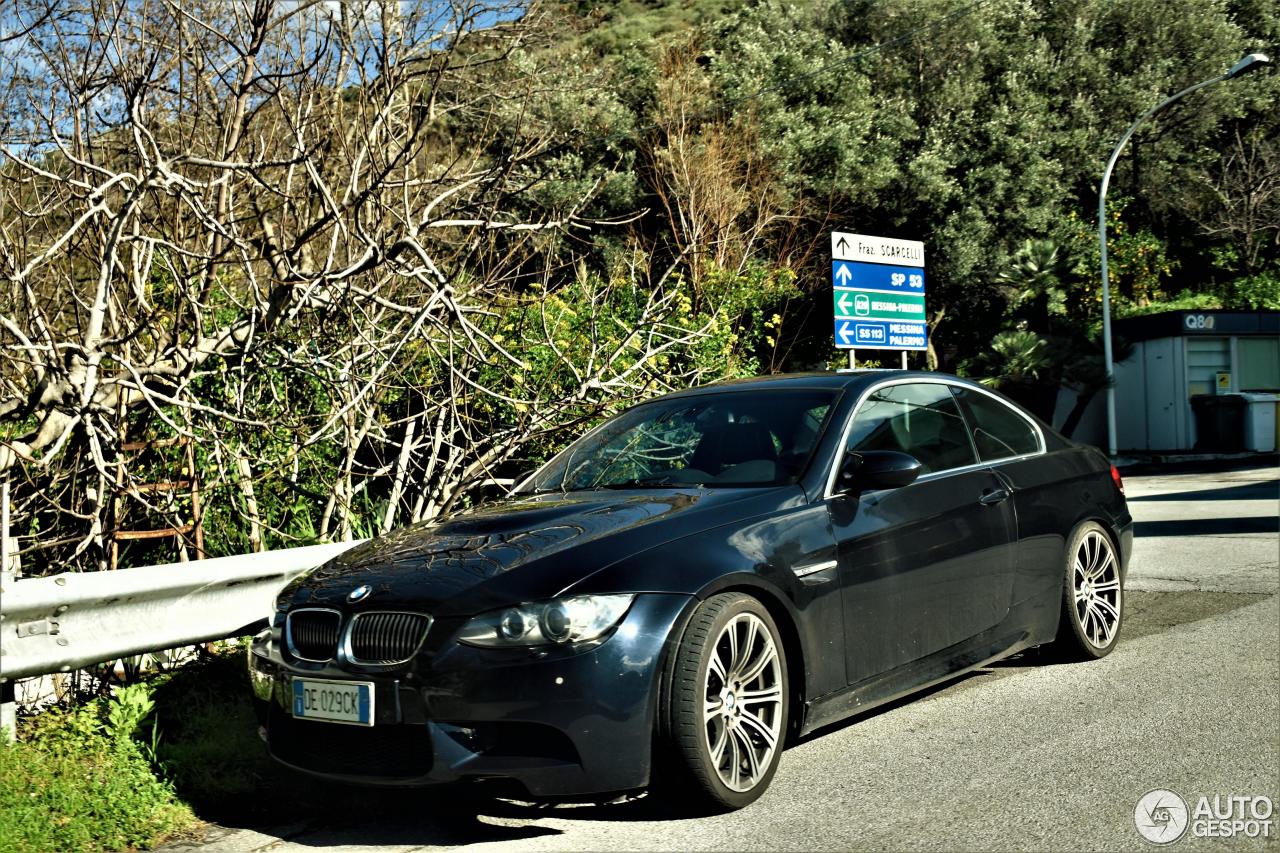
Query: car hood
[520, 548]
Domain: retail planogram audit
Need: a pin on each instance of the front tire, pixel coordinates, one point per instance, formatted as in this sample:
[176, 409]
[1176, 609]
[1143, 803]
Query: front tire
[1092, 596]
[726, 709]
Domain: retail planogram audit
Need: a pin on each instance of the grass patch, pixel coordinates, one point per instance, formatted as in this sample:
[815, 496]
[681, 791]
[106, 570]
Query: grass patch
[152, 763]
[77, 779]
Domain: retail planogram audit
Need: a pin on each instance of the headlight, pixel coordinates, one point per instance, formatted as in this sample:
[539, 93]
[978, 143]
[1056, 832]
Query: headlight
[559, 622]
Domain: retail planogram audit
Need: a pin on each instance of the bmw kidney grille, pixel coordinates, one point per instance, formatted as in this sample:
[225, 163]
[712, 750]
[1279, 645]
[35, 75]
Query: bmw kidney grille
[385, 638]
[380, 638]
[312, 634]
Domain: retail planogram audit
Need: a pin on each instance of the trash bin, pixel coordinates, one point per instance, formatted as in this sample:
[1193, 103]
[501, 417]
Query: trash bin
[1219, 422]
[1260, 422]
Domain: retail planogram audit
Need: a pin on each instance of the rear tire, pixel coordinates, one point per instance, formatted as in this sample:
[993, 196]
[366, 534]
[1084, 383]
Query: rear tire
[725, 712]
[1092, 596]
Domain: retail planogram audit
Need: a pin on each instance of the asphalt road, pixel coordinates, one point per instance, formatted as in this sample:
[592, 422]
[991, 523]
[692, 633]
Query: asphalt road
[1024, 755]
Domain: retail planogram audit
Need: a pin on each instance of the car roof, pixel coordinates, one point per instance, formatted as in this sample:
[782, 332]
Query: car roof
[818, 379]
[852, 380]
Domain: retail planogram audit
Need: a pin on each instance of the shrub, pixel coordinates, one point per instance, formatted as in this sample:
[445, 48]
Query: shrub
[77, 779]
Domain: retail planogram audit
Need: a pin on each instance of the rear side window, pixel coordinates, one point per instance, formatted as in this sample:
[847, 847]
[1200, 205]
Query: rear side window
[998, 431]
[920, 419]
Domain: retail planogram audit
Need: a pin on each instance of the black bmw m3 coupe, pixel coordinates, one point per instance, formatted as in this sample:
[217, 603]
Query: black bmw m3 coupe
[695, 582]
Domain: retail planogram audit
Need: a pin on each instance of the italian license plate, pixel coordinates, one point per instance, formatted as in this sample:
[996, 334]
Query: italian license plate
[335, 701]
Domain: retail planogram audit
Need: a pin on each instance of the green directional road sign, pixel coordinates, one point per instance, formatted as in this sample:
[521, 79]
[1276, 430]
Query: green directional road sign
[878, 305]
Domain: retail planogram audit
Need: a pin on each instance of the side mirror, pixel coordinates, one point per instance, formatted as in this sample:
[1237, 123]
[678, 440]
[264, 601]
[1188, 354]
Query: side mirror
[876, 469]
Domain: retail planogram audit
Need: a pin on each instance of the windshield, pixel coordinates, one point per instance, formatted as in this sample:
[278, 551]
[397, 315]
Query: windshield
[741, 438]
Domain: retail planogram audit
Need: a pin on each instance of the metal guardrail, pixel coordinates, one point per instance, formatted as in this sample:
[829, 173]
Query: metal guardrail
[67, 621]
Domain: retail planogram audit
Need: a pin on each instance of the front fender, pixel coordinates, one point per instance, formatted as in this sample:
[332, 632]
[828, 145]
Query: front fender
[762, 556]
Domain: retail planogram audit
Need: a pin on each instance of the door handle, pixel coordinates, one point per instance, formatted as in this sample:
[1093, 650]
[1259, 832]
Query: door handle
[991, 497]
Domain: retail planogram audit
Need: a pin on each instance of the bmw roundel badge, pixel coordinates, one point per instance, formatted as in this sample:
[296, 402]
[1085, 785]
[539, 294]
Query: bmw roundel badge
[360, 593]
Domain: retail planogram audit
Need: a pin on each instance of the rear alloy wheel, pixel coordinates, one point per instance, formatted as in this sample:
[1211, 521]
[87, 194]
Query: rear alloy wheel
[1093, 595]
[727, 707]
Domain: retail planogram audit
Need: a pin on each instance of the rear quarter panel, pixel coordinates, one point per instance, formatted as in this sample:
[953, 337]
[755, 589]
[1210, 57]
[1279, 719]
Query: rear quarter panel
[1054, 493]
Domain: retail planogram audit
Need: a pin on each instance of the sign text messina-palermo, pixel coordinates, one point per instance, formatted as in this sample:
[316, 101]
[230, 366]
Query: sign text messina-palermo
[878, 296]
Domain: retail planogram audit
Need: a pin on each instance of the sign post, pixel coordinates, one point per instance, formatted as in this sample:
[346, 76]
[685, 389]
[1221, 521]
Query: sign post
[878, 294]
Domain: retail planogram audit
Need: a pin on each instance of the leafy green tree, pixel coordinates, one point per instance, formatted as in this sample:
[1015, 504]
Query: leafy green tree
[377, 288]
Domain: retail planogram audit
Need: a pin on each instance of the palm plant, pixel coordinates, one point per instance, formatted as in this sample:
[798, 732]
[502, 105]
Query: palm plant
[1033, 284]
[1017, 356]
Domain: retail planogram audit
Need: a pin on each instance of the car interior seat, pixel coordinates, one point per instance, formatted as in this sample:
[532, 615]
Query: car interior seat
[924, 433]
[733, 444]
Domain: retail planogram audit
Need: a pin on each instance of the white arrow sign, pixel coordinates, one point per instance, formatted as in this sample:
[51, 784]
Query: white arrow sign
[843, 303]
[843, 275]
[876, 250]
[843, 333]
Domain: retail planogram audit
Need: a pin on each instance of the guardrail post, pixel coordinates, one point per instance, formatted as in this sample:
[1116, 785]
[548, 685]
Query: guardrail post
[8, 574]
[8, 548]
[8, 713]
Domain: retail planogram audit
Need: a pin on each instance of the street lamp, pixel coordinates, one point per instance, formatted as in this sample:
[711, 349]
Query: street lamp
[1252, 62]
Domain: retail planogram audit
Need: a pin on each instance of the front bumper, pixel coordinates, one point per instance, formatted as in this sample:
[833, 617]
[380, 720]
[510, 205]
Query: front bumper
[557, 722]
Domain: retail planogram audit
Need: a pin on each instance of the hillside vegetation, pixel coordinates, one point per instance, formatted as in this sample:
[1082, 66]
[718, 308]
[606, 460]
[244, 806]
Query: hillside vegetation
[374, 262]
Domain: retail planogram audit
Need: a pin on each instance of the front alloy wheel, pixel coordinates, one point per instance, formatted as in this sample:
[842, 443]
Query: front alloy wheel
[727, 707]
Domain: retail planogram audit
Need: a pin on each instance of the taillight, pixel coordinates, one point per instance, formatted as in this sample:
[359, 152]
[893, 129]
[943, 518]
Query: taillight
[1115, 478]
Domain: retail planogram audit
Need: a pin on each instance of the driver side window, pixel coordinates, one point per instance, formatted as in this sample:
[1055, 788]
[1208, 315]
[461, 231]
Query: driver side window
[920, 419]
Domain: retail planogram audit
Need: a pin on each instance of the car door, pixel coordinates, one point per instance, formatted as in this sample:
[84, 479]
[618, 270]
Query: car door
[928, 565]
[1012, 445]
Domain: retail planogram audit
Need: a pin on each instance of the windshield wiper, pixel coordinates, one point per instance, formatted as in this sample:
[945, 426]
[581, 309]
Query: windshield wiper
[558, 488]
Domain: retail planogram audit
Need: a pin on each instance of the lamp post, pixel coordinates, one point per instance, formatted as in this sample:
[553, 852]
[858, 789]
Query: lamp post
[1252, 62]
